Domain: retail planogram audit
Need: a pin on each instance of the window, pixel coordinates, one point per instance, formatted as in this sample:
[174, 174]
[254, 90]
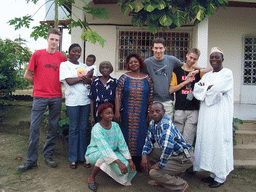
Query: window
[249, 77]
[177, 44]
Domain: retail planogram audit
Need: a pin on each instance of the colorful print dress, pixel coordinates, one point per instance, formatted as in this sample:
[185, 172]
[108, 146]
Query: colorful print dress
[107, 146]
[136, 95]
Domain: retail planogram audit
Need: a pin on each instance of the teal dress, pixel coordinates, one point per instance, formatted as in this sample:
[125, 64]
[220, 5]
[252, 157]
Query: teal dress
[107, 146]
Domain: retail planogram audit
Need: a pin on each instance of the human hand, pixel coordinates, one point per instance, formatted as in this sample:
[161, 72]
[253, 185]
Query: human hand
[144, 163]
[92, 121]
[122, 167]
[209, 87]
[155, 166]
[132, 165]
[117, 117]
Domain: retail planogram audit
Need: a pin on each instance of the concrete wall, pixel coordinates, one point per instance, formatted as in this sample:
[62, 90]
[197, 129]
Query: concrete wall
[226, 29]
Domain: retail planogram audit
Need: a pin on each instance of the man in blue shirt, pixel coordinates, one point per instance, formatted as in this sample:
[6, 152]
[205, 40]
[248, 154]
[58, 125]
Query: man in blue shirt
[175, 154]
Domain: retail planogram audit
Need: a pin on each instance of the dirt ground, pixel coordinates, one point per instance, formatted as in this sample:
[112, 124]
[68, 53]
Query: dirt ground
[14, 135]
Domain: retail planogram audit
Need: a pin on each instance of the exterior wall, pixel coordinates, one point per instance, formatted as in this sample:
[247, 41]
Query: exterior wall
[226, 28]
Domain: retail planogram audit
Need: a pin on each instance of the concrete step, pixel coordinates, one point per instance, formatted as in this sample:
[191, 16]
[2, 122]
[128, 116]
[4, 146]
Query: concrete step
[245, 137]
[246, 164]
[245, 152]
[247, 126]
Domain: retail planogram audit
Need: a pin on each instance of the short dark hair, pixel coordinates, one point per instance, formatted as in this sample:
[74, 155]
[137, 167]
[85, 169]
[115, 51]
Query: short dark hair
[137, 56]
[72, 46]
[108, 64]
[158, 40]
[92, 56]
[195, 51]
[158, 103]
[53, 31]
[104, 106]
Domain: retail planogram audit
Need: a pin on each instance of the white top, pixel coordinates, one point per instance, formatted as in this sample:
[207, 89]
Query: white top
[77, 94]
[214, 139]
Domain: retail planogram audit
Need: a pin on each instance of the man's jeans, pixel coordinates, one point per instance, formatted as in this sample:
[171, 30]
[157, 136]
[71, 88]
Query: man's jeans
[38, 108]
[79, 131]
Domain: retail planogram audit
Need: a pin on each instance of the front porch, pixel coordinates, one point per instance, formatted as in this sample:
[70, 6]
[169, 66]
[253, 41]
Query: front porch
[245, 111]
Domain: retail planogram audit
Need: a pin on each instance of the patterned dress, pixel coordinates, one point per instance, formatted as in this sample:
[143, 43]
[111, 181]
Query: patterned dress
[107, 146]
[102, 94]
[136, 94]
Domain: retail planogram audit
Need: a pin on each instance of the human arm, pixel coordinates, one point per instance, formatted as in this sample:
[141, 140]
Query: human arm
[92, 112]
[29, 76]
[150, 99]
[74, 80]
[118, 98]
[147, 148]
[175, 87]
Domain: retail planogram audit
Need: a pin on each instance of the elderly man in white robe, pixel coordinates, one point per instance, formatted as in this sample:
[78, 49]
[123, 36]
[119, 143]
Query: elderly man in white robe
[214, 140]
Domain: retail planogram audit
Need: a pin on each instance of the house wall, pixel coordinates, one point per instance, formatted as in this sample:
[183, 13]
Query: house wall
[226, 29]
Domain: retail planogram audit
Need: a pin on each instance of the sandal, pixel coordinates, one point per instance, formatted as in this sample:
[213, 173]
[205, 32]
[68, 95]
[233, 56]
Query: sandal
[92, 186]
[87, 165]
[73, 165]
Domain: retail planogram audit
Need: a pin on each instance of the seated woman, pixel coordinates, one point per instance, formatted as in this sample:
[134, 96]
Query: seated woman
[108, 150]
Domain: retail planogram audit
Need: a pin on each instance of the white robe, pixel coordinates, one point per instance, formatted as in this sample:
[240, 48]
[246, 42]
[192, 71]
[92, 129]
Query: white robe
[214, 139]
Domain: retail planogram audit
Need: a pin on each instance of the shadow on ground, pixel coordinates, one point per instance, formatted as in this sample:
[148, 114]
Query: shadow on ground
[14, 135]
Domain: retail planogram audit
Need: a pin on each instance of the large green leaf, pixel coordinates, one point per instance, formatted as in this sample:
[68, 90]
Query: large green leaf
[166, 20]
[153, 28]
[93, 37]
[150, 7]
[138, 5]
[161, 5]
[179, 18]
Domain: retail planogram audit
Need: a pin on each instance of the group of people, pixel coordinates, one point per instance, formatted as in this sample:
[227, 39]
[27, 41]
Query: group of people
[133, 120]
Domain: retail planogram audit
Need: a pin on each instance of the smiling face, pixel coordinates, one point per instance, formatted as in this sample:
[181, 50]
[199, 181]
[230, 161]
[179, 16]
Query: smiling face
[53, 42]
[107, 114]
[75, 54]
[192, 58]
[216, 60]
[134, 64]
[157, 112]
[158, 50]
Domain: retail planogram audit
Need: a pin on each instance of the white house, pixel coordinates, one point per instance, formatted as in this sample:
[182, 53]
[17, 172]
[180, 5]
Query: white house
[233, 30]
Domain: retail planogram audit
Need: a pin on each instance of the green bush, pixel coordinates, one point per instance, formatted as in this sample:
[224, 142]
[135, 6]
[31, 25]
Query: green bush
[12, 56]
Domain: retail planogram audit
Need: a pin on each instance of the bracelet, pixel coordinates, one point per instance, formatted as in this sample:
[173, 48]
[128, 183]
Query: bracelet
[180, 86]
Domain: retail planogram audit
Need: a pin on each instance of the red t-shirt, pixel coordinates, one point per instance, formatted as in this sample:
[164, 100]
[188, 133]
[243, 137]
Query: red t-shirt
[46, 73]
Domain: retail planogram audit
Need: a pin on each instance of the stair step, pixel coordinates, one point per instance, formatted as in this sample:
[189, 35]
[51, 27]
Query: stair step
[245, 152]
[245, 137]
[247, 126]
[247, 164]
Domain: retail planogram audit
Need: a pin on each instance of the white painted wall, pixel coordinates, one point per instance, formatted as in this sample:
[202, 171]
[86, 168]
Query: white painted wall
[226, 28]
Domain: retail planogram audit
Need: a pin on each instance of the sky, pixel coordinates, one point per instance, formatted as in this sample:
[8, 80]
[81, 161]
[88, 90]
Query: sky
[19, 8]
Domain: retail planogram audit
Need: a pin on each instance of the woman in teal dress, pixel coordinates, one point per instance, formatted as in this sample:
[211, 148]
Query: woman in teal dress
[134, 95]
[108, 150]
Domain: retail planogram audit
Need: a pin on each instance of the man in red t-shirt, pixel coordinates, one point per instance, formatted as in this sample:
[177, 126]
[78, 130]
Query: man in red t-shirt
[43, 72]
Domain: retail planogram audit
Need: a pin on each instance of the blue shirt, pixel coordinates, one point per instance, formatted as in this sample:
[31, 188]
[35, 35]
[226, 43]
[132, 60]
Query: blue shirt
[166, 134]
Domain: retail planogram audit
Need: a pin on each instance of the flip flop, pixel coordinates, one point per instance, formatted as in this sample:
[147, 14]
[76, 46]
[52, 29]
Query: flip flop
[153, 183]
[87, 165]
[92, 186]
[73, 165]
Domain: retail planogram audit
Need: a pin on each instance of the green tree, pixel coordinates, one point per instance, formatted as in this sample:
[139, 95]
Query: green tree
[12, 56]
[169, 13]
[41, 30]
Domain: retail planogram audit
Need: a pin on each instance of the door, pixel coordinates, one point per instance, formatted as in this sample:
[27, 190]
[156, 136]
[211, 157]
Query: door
[248, 92]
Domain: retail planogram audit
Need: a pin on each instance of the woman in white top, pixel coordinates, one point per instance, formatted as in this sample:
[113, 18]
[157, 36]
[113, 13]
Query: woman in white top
[76, 76]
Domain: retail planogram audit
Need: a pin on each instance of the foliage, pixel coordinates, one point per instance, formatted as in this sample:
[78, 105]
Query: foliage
[12, 56]
[41, 30]
[64, 120]
[235, 128]
[169, 13]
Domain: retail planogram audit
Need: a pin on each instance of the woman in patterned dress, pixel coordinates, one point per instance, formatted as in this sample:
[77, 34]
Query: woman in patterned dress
[108, 150]
[134, 95]
[103, 90]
